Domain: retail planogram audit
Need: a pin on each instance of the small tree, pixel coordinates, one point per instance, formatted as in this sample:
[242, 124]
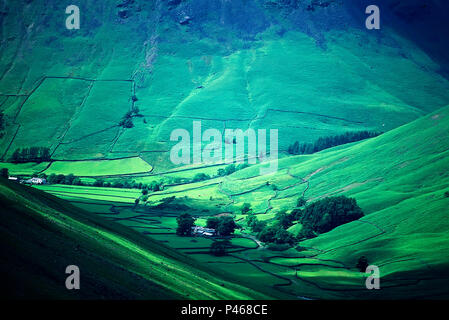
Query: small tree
[52, 179]
[76, 181]
[246, 208]
[69, 178]
[212, 222]
[185, 223]
[218, 248]
[255, 224]
[45, 154]
[285, 220]
[60, 178]
[98, 183]
[230, 169]
[362, 264]
[284, 237]
[267, 234]
[226, 226]
[200, 177]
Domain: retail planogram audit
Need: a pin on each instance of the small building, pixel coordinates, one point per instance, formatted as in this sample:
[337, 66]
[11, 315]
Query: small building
[202, 231]
[13, 178]
[36, 181]
[185, 20]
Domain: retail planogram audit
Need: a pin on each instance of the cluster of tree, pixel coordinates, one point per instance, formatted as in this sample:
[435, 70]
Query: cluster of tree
[230, 169]
[276, 234]
[362, 264]
[255, 224]
[32, 154]
[153, 186]
[326, 214]
[185, 223]
[128, 184]
[200, 177]
[446, 194]
[329, 142]
[127, 120]
[284, 219]
[246, 208]
[224, 225]
[69, 179]
[318, 217]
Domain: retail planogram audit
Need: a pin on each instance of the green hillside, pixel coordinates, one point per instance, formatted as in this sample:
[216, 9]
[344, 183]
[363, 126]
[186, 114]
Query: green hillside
[259, 64]
[399, 179]
[41, 235]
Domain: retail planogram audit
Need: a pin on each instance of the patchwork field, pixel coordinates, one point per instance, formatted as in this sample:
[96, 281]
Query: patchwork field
[402, 195]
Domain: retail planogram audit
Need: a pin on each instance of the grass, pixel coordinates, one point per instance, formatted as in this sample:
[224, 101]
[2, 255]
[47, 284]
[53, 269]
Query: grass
[366, 86]
[47, 223]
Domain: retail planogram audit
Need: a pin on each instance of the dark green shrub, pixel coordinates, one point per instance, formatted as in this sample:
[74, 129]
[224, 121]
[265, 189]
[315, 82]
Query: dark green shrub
[329, 213]
[4, 173]
[219, 248]
[185, 224]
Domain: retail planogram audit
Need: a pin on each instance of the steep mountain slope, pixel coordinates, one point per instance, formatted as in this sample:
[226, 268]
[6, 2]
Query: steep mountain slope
[41, 235]
[231, 64]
